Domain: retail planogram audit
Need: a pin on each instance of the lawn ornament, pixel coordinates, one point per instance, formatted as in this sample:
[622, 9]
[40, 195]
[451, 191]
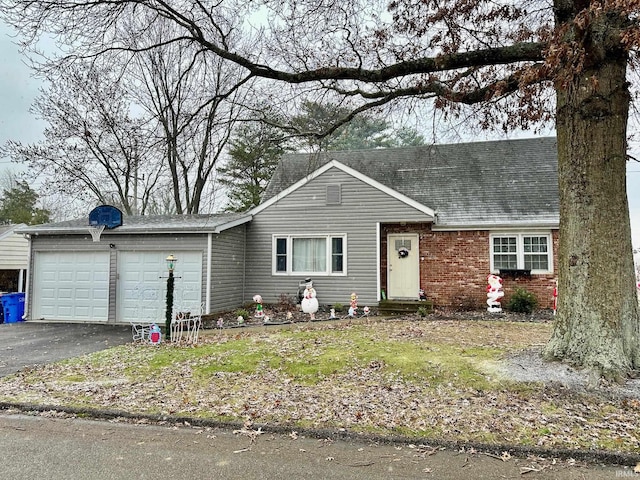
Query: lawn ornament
[353, 305]
[289, 316]
[494, 293]
[353, 301]
[240, 319]
[220, 323]
[332, 314]
[259, 311]
[309, 302]
[366, 311]
[155, 336]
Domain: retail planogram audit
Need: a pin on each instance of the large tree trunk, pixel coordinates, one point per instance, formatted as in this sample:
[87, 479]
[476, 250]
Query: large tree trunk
[597, 324]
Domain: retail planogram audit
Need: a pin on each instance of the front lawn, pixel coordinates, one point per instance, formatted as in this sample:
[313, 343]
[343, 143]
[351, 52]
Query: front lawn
[420, 378]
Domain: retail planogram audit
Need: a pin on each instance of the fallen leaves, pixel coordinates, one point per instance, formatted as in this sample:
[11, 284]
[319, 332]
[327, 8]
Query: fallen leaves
[370, 394]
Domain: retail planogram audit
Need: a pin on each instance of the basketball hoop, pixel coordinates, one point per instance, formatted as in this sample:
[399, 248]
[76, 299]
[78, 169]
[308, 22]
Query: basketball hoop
[96, 231]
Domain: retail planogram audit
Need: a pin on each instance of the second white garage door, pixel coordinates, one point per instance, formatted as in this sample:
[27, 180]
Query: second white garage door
[142, 284]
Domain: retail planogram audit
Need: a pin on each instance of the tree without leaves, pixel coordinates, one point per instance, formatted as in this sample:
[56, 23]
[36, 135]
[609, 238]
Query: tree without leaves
[93, 148]
[500, 58]
[195, 100]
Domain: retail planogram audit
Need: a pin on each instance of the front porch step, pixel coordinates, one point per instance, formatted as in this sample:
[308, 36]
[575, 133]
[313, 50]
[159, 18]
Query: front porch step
[390, 307]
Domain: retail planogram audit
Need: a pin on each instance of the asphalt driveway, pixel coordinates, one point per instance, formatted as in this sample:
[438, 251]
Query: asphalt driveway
[25, 343]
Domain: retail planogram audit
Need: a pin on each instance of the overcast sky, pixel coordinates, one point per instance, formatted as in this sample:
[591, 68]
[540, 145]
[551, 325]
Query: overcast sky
[18, 89]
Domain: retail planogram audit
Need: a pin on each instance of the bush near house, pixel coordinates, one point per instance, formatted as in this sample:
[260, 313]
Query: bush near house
[522, 301]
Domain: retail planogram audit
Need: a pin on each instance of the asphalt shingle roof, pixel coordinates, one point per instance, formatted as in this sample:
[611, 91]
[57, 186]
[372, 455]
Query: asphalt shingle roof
[137, 224]
[506, 182]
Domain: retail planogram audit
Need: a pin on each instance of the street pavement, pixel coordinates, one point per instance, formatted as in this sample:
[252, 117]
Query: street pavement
[29, 343]
[55, 448]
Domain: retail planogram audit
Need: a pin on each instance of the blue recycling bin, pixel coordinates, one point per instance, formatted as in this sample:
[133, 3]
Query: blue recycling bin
[13, 307]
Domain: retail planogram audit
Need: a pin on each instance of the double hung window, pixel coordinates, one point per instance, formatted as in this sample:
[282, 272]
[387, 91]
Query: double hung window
[521, 251]
[309, 254]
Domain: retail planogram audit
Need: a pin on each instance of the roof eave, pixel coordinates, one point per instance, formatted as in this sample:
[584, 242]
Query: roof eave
[506, 226]
[142, 230]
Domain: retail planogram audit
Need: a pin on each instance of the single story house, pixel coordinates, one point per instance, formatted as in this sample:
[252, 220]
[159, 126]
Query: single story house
[385, 223]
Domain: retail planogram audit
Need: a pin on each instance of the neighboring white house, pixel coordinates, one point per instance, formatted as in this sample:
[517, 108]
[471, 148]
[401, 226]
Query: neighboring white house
[14, 258]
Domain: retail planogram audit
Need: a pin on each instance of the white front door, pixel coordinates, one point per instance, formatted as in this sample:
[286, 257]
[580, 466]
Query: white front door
[403, 277]
[142, 284]
[71, 286]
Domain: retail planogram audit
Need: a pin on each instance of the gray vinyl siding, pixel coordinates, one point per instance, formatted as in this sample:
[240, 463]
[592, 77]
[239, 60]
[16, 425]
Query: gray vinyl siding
[227, 273]
[226, 269]
[305, 211]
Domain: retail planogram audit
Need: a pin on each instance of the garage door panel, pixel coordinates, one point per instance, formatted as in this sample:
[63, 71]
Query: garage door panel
[71, 286]
[142, 284]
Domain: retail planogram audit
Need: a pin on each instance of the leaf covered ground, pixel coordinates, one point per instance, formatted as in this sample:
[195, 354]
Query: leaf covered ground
[424, 379]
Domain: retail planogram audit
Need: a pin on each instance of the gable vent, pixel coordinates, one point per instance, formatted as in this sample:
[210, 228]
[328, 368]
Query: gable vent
[334, 194]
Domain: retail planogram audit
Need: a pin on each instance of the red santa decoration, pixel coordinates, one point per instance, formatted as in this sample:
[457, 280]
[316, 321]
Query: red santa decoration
[494, 293]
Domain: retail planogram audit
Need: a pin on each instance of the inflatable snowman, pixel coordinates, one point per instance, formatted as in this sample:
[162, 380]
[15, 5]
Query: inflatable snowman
[309, 301]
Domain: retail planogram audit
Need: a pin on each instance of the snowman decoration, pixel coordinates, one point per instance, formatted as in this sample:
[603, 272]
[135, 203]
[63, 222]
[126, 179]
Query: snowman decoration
[309, 301]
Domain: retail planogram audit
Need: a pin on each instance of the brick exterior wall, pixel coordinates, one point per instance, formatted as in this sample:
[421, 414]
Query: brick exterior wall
[454, 267]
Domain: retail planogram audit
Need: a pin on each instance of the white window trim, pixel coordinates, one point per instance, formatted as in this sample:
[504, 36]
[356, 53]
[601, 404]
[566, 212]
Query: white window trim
[520, 248]
[328, 244]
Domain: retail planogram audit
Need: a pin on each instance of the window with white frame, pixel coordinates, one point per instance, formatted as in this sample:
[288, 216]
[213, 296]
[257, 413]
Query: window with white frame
[309, 254]
[510, 251]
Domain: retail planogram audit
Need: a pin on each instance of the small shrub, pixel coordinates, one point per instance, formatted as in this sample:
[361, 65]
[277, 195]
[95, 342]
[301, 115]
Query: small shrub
[422, 311]
[338, 307]
[241, 312]
[522, 301]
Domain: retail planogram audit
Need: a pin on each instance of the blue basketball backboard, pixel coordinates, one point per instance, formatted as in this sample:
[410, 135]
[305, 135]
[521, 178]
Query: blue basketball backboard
[107, 215]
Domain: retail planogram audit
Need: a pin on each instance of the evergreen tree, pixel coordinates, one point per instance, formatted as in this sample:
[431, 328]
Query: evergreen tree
[254, 153]
[19, 206]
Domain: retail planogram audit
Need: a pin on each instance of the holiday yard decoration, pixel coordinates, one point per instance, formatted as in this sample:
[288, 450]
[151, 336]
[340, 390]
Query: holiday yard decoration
[309, 302]
[494, 293]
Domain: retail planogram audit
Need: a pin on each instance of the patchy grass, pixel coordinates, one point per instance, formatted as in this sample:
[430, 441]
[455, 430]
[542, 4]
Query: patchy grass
[419, 378]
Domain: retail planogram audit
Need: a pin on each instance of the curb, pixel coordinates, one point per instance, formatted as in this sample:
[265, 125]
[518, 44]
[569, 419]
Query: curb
[587, 456]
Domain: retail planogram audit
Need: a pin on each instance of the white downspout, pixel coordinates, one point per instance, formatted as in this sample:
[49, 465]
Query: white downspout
[25, 315]
[207, 306]
[378, 280]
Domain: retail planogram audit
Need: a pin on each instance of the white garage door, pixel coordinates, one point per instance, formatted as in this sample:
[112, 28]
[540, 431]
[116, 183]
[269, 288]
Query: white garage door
[142, 284]
[71, 286]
